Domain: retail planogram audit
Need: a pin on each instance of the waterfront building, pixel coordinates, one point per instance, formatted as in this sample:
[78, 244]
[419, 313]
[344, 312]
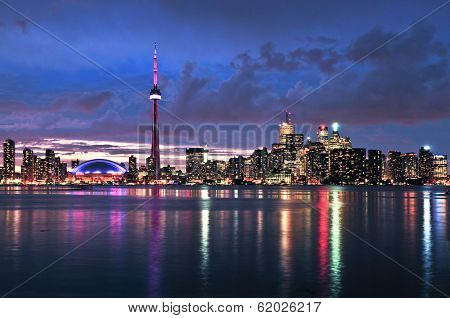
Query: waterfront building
[374, 167]
[27, 169]
[426, 165]
[347, 166]
[195, 160]
[248, 168]
[132, 169]
[63, 171]
[50, 166]
[394, 166]
[99, 171]
[440, 169]
[75, 163]
[279, 178]
[9, 159]
[317, 163]
[215, 169]
[236, 168]
[410, 165]
[260, 162]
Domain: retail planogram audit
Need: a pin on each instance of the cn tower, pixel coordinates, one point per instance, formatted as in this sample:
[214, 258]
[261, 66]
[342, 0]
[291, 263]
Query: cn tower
[155, 95]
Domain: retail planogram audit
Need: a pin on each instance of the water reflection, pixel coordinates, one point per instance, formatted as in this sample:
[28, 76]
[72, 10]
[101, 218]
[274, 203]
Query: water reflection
[204, 247]
[335, 245]
[323, 237]
[427, 242]
[157, 232]
[226, 242]
[285, 250]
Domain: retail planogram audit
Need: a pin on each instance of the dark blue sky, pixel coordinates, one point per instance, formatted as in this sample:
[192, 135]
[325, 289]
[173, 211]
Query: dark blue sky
[227, 61]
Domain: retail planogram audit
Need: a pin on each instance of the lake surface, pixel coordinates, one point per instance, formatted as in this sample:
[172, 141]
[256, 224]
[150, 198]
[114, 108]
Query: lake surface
[242, 241]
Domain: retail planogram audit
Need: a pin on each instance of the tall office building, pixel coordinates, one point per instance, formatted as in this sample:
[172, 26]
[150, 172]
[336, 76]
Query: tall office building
[195, 160]
[9, 159]
[149, 166]
[374, 166]
[322, 135]
[260, 162]
[215, 169]
[50, 163]
[347, 166]
[63, 171]
[410, 165]
[317, 163]
[294, 142]
[75, 163]
[440, 169]
[236, 167]
[28, 165]
[132, 169]
[394, 166]
[286, 128]
[276, 160]
[335, 141]
[426, 164]
[155, 96]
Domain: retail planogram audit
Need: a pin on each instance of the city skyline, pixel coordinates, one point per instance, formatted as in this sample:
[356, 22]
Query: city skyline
[55, 94]
[330, 158]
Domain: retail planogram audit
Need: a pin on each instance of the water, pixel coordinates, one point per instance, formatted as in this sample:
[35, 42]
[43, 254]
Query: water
[251, 241]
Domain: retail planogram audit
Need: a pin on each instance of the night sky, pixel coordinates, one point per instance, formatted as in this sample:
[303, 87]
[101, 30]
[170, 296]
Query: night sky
[223, 62]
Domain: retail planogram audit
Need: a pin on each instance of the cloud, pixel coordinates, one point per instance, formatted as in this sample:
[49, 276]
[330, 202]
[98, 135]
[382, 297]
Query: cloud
[23, 25]
[406, 81]
[82, 102]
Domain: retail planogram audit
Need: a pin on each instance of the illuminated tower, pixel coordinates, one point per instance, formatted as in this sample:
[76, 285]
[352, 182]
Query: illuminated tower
[286, 128]
[322, 135]
[155, 95]
[9, 158]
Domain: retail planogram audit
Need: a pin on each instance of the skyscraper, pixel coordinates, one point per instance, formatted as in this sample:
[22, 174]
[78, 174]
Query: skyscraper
[410, 165]
[9, 159]
[394, 166]
[322, 135]
[28, 165]
[374, 166]
[335, 141]
[50, 165]
[317, 163]
[426, 164]
[132, 169]
[195, 160]
[155, 95]
[348, 166]
[236, 167]
[440, 168]
[260, 160]
[75, 163]
[286, 128]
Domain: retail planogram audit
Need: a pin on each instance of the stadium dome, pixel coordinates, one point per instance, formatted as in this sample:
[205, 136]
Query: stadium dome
[99, 166]
[98, 171]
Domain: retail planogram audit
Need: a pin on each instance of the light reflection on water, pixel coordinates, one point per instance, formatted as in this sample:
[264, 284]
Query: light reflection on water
[231, 241]
[427, 241]
[335, 244]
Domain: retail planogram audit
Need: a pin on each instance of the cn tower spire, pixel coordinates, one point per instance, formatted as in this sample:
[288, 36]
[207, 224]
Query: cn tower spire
[155, 69]
[155, 95]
